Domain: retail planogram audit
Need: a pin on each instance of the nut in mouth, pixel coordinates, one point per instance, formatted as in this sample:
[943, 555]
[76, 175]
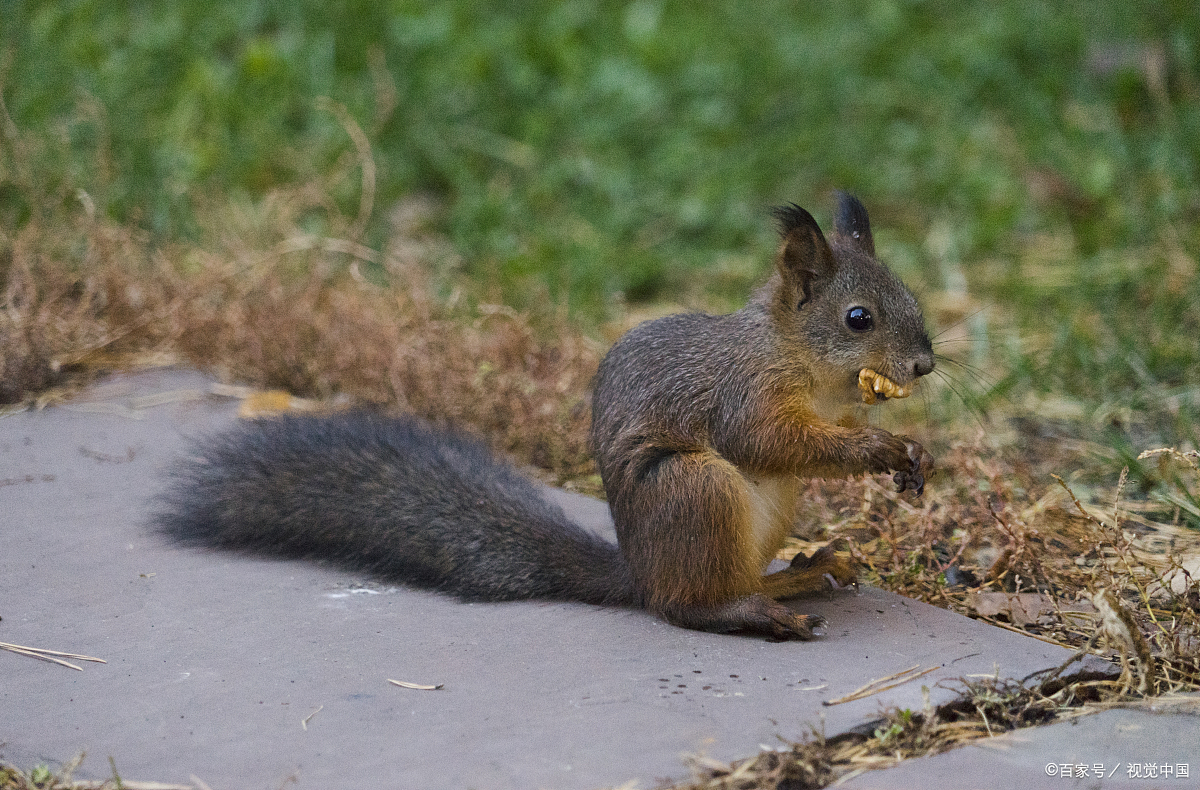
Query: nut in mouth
[876, 386]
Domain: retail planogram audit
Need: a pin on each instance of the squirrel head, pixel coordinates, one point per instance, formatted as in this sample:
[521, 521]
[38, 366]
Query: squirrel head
[839, 307]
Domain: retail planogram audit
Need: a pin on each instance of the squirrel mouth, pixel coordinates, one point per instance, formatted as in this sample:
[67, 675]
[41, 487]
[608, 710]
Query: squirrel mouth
[876, 386]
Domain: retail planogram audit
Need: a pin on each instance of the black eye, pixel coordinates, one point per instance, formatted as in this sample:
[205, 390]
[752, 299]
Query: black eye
[859, 319]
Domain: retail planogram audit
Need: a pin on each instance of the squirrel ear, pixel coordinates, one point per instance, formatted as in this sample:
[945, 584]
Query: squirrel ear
[852, 225]
[804, 256]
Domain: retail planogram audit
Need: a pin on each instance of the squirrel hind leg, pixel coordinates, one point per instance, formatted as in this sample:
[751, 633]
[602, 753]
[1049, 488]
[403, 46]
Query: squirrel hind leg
[687, 528]
[755, 614]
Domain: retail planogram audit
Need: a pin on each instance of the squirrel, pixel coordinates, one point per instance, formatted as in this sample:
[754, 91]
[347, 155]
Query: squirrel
[702, 428]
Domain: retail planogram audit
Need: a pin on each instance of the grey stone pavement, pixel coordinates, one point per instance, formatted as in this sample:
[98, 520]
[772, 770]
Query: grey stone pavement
[249, 673]
[1153, 747]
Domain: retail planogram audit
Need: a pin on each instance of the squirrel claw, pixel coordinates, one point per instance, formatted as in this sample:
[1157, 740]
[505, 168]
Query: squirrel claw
[802, 627]
[816, 625]
[788, 625]
[920, 464]
[909, 481]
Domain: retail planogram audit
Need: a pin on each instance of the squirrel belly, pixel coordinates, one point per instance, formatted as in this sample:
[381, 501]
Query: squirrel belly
[391, 497]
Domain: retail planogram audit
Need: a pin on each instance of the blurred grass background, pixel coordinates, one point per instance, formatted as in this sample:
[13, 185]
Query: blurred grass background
[1031, 167]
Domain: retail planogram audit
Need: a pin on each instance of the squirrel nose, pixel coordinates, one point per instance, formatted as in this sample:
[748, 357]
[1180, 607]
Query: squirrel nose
[923, 366]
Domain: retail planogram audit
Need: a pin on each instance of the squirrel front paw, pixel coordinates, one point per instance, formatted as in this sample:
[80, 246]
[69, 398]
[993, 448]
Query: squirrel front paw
[911, 462]
[920, 465]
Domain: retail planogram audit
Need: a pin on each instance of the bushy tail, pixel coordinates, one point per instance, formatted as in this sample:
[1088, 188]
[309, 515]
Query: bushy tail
[393, 498]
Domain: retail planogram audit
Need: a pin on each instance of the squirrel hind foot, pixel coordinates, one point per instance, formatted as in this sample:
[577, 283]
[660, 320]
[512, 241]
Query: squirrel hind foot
[788, 625]
[752, 614]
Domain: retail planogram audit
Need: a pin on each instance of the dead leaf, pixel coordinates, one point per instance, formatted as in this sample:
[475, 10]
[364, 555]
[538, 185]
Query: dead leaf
[1022, 608]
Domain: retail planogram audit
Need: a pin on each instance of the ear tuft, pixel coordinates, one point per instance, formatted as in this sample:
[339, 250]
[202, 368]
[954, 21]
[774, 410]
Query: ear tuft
[851, 224]
[804, 259]
[791, 217]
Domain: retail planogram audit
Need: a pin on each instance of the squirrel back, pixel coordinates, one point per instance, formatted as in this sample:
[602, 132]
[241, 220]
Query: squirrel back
[702, 428]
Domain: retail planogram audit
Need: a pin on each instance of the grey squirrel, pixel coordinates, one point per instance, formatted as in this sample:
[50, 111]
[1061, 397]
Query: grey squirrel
[702, 428]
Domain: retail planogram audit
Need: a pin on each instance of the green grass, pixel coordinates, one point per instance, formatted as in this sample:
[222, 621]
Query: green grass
[1041, 157]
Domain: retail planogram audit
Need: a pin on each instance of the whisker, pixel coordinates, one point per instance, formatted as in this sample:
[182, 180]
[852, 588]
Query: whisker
[978, 375]
[960, 321]
[949, 340]
[978, 380]
[969, 401]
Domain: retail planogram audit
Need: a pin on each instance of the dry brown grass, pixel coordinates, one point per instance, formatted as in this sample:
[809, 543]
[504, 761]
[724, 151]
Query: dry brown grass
[1000, 537]
[262, 302]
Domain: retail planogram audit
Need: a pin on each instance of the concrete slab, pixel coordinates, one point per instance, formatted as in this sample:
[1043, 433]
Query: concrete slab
[215, 660]
[1155, 747]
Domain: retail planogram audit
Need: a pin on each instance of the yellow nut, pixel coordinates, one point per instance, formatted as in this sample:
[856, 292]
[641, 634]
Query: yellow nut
[873, 385]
